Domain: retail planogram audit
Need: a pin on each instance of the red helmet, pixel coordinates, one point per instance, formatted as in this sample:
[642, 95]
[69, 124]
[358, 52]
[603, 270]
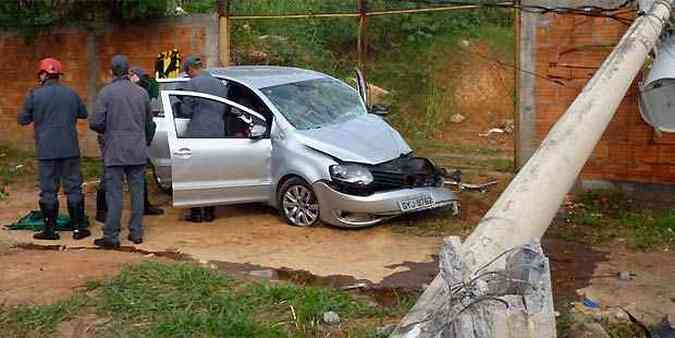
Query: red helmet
[50, 66]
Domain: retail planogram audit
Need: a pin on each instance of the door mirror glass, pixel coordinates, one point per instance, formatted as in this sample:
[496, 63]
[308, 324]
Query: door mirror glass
[379, 109]
[258, 131]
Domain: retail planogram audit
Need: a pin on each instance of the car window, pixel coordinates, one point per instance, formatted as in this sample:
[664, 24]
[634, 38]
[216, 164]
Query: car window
[244, 96]
[156, 104]
[316, 103]
[197, 117]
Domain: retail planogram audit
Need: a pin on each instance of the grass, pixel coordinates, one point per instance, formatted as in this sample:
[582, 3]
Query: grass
[604, 215]
[38, 321]
[405, 51]
[20, 166]
[183, 300]
[433, 223]
[15, 165]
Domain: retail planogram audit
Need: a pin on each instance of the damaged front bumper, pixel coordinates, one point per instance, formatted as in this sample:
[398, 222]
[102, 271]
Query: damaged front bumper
[352, 211]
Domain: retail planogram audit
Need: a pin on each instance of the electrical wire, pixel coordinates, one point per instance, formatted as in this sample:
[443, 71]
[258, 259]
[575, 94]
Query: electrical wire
[592, 11]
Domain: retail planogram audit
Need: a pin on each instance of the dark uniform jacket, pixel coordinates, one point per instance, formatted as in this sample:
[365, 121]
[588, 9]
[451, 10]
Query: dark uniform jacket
[121, 114]
[207, 116]
[54, 109]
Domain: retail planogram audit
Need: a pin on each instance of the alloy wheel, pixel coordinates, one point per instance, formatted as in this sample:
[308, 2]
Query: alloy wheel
[300, 206]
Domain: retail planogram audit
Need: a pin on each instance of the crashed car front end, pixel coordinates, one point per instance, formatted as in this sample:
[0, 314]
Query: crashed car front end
[361, 195]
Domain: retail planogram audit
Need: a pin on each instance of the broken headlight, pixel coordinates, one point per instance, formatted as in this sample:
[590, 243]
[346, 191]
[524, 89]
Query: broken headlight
[352, 174]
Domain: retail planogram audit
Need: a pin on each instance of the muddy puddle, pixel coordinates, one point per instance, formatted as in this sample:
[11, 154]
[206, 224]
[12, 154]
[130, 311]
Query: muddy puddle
[130, 249]
[572, 266]
[390, 292]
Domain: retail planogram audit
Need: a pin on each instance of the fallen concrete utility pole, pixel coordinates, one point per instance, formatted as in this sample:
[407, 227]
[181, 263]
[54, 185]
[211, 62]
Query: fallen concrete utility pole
[497, 283]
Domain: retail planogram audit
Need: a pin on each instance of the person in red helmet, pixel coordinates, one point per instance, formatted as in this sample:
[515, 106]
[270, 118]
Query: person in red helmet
[53, 109]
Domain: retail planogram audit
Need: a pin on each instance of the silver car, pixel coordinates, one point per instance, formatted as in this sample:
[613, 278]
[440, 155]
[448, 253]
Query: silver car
[298, 140]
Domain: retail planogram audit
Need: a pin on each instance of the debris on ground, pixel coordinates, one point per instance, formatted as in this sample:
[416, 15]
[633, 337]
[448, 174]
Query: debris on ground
[385, 331]
[331, 318]
[457, 118]
[377, 94]
[355, 286]
[482, 188]
[266, 274]
[508, 126]
[492, 131]
[587, 330]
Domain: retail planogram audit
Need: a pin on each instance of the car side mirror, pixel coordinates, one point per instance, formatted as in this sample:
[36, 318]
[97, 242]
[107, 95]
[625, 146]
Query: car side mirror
[379, 109]
[258, 131]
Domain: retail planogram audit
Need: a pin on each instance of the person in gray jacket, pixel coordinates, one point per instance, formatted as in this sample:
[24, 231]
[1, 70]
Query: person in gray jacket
[54, 109]
[121, 114]
[207, 118]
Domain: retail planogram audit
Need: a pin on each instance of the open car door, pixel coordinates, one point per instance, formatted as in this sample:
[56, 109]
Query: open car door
[215, 171]
[362, 87]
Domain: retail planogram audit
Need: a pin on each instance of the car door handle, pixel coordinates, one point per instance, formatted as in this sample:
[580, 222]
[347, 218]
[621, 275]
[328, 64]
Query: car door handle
[183, 152]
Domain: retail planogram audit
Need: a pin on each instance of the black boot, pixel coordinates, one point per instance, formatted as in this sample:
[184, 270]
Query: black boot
[209, 214]
[76, 212]
[105, 244]
[149, 209]
[195, 215]
[49, 213]
[101, 205]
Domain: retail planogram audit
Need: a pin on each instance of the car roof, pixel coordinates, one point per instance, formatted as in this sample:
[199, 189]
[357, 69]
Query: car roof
[263, 76]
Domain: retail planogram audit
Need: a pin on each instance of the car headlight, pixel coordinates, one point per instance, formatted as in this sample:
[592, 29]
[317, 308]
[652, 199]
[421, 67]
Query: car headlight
[351, 174]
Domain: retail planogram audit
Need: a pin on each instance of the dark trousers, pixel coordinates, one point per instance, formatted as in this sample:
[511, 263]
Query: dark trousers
[53, 173]
[114, 196]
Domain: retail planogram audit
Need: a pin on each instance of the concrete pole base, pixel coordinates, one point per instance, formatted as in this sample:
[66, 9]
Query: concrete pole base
[508, 297]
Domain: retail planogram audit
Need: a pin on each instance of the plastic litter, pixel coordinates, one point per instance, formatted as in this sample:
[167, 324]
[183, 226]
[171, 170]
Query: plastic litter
[35, 222]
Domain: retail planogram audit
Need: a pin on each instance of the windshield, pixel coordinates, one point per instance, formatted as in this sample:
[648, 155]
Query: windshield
[316, 103]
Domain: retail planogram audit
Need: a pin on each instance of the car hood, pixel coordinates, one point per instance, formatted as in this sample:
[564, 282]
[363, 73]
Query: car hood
[368, 140]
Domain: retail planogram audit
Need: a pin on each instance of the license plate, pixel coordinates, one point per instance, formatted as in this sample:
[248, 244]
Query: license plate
[417, 203]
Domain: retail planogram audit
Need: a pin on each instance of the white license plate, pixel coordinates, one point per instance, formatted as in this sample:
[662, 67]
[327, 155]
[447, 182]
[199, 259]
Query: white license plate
[417, 203]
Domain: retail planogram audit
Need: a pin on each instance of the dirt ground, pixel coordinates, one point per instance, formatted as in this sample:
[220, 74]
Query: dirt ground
[46, 276]
[253, 237]
[256, 235]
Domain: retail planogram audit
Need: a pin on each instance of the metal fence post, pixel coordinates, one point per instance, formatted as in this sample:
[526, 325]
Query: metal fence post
[362, 46]
[223, 7]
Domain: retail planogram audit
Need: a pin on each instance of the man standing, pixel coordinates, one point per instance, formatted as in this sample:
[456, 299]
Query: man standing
[207, 117]
[54, 109]
[121, 114]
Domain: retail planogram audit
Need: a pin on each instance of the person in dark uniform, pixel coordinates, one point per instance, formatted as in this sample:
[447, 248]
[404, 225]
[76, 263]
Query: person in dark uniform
[54, 109]
[121, 115]
[207, 117]
[137, 76]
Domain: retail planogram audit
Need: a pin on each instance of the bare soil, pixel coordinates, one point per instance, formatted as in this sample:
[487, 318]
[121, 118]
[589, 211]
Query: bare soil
[47, 276]
[483, 92]
[248, 238]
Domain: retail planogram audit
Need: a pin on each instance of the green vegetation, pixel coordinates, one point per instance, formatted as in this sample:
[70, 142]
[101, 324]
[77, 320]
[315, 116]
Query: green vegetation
[610, 214]
[183, 300]
[14, 165]
[406, 52]
[32, 17]
[18, 166]
[434, 223]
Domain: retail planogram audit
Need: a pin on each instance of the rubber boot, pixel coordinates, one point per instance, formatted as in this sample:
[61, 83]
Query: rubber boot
[101, 206]
[49, 212]
[209, 214]
[76, 212]
[195, 215]
[105, 244]
[149, 209]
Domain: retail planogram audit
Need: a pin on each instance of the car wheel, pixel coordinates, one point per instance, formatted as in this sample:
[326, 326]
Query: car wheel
[158, 182]
[298, 203]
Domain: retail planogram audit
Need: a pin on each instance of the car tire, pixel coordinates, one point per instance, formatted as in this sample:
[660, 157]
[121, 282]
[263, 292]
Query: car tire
[168, 191]
[298, 203]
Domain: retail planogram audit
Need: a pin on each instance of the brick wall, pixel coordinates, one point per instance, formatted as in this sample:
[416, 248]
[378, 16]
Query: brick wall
[569, 49]
[86, 54]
